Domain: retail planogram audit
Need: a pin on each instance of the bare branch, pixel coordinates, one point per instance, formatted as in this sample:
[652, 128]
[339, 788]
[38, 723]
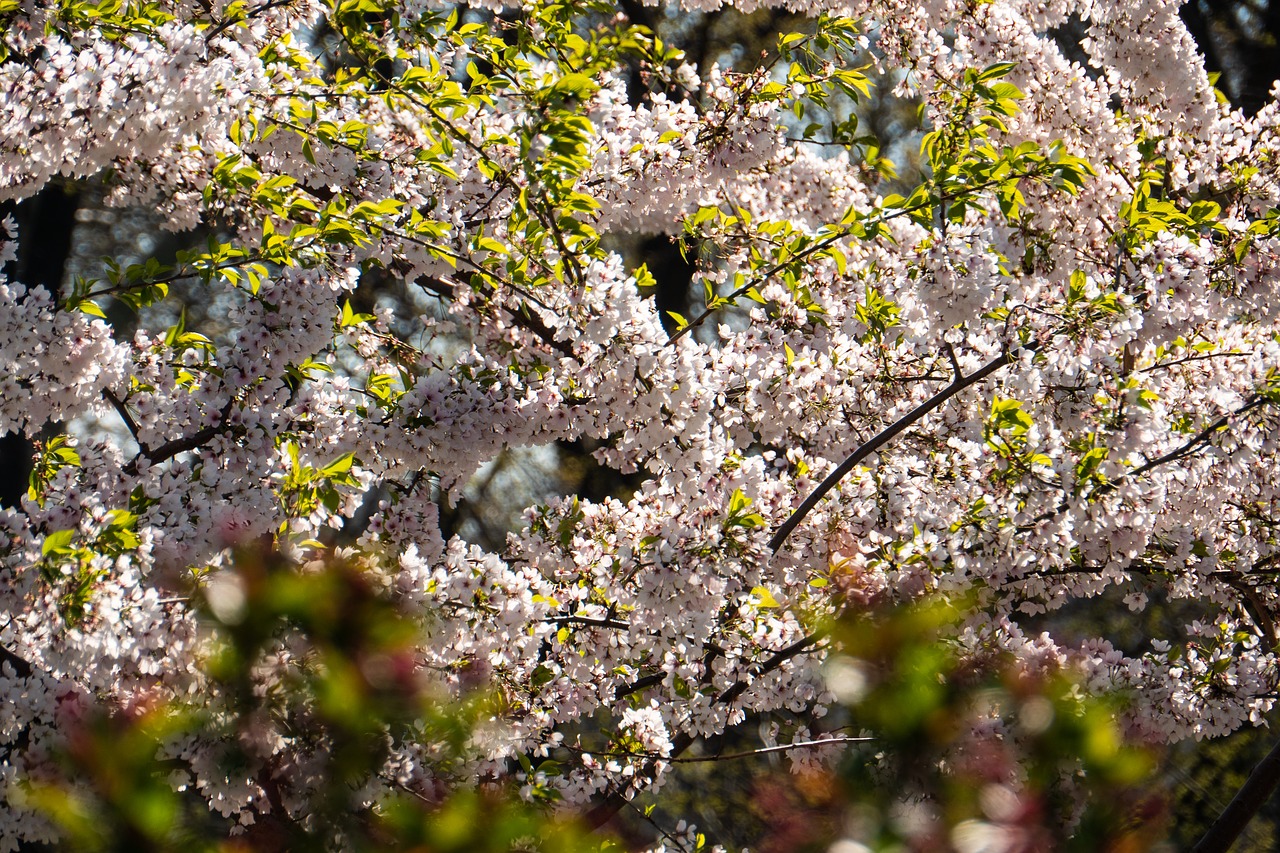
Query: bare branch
[232, 20]
[1248, 800]
[524, 317]
[1188, 447]
[1200, 438]
[605, 622]
[766, 750]
[21, 666]
[640, 684]
[125, 416]
[955, 362]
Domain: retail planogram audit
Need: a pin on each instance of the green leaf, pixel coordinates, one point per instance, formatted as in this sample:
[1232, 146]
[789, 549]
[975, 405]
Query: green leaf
[575, 85]
[1089, 462]
[1204, 211]
[121, 518]
[88, 306]
[339, 466]
[1007, 414]
[764, 598]
[995, 71]
[57, 542]
[350, 318]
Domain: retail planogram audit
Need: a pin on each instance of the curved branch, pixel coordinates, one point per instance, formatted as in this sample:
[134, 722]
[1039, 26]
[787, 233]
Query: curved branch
[1200, 439]
[639, 684]
[766, 750]
[958, 384]
[604, 622]
[123, 411]
[729, 756]
[230, 21]
[524, 316]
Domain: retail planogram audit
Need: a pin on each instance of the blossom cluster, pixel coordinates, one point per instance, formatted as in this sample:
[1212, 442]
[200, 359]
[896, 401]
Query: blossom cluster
[1097, 245]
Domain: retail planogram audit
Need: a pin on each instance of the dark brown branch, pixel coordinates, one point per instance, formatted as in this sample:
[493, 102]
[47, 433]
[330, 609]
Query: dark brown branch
[523, 317]
[640, 684]
[820, 246]
[606, 622]
[21, 667]
[1192, 444]
[1200, 438]
[232, 20]
[729, 756]
[1251, 796]
[1257, 610]
[766, 750]
[170, 449]
[958, 384]
[1166, 365]
[129, 422]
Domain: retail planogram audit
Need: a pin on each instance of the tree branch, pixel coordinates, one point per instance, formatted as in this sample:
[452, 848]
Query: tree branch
[524, 317]
[21, 666]
[129, 422]
[1251, 796]
[1200, 438]
[766, 750]
[727, 756]
[639, 684]
[231, 21]
[958, 384]
[605, 622]
[170, 449]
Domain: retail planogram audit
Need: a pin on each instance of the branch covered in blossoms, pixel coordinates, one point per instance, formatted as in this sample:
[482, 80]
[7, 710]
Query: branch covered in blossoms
[1035, 368]
[958, 384]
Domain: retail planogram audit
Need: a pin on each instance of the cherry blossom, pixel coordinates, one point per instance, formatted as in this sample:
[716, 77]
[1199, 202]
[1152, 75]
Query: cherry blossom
[1049, 368]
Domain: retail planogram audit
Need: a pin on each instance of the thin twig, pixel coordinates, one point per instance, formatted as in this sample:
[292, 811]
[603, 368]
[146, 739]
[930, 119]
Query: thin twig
[232, 20]
[129, 422]
[765, 750]
[525, 319]
[1200, 438]
[955, 362]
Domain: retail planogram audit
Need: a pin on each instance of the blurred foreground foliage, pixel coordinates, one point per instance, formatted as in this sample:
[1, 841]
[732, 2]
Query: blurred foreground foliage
[355, 692]
[966, 750]
[974, 750]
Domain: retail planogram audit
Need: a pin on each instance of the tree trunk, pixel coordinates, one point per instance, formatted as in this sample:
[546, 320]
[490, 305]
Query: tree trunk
[46, 222]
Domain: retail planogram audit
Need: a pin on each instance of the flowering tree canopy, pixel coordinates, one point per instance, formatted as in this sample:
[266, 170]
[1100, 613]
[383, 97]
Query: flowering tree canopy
[1043, 371]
